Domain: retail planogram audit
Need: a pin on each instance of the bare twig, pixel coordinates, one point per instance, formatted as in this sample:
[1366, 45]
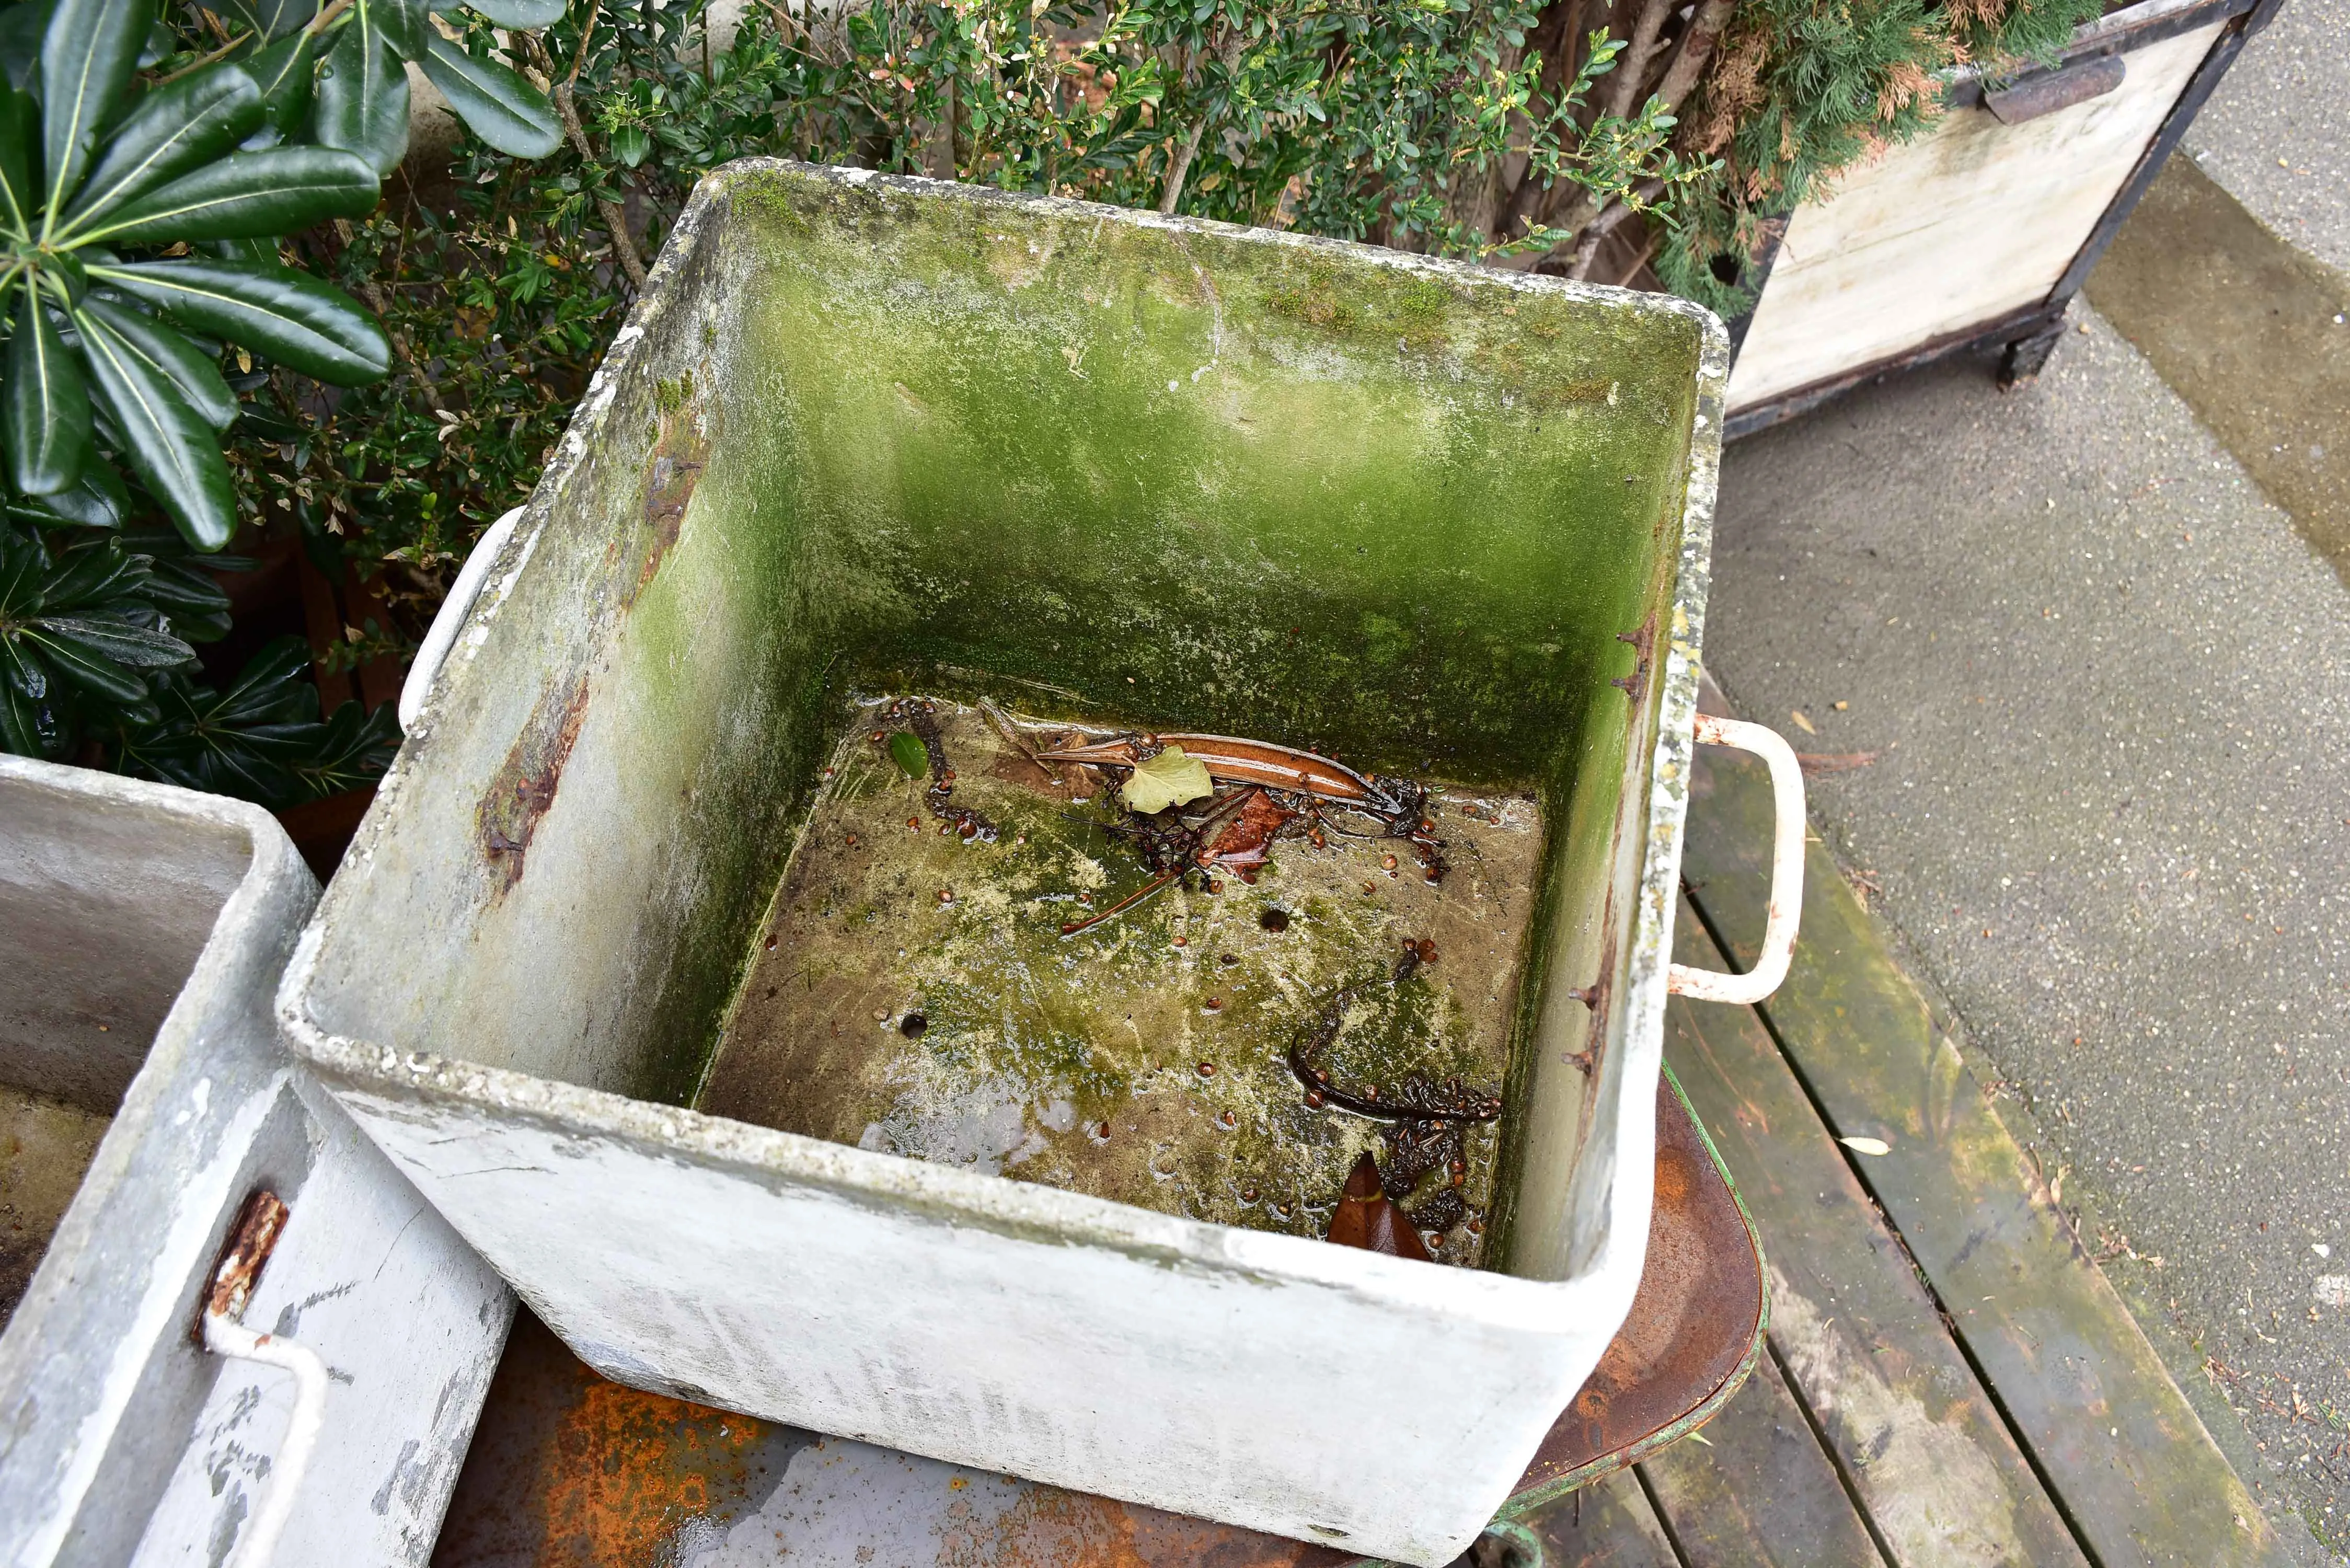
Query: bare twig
[1586, 249]
[1228, 51]
[202, 61]
[1632, 66]
[1693, 51]
[616, 221]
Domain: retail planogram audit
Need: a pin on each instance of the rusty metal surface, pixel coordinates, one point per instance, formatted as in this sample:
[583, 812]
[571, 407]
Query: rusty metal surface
[569, 1470]
[250, 1241]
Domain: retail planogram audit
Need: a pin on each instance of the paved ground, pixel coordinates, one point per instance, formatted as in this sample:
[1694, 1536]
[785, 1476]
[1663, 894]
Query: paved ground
[2277, 132]
[2102, 662]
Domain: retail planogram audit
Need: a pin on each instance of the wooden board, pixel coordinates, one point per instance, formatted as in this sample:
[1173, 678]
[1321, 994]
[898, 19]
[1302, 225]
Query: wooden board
[1758, 1493]
[1856, 1334]
[2084, 1392]
[1971, 221]
[1608, 1524]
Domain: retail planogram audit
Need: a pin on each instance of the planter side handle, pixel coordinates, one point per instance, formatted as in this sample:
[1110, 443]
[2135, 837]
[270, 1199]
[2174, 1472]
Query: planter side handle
[1785, 909]
[441, 636]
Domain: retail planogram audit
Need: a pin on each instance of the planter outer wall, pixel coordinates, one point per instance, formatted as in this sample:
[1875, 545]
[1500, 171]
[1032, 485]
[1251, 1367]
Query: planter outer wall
[870, 433]
[169, 914]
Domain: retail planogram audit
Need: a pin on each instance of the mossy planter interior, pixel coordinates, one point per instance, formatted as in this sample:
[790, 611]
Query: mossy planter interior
[868, 435]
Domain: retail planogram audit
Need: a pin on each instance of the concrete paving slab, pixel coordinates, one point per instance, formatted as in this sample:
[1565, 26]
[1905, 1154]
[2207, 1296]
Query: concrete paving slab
[2108, 690]
[2250, 332]
[2277, 130]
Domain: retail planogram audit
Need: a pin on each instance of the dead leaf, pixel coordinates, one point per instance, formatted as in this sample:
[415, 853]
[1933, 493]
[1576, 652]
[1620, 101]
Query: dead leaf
[1170, 778]
[1867, 1145]
[1803, 723]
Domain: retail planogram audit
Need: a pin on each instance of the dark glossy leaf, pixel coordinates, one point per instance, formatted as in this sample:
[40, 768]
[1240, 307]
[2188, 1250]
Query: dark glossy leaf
[288, 316]
[96, 500]
[134, 647]
[18, 117]
[160, 43]
[259, 251]
[90, 576]
[175, 455]
[184, 590]
[27, 728]
[23, 566]
[495, 102]
[87, 668]
[356, 747]
[45, 408]
[21, 27]
[362, 98]
[406, 25]
[270, 18]
[246, 194]
[169, 354]
[275, 686]
[21, 670]
[175, 128]
[526, 15]
[284, 71]
[87, 54]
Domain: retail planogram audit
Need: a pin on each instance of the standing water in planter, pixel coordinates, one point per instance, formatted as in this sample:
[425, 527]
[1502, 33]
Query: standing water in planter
[1203, 975]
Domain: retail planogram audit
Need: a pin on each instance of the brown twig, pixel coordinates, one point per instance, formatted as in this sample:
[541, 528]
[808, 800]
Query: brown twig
[1586, 249]
[1632, 64]
[616, 221]
[1693, 51]
[201, 62]
[1228, 50]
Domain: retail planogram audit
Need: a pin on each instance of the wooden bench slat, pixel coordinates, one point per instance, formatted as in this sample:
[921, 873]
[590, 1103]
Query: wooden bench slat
[2126, 1453]
[1858, 1335]
[1608, 1524]
[1758, 1491]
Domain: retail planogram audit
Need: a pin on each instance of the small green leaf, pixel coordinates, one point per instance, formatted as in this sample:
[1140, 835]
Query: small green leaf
[175, 455]
[526, 15]
[1170, 778]
[288, 316]
[495, 102]
[914, 758]
[175, 128]
[87, 54]
[631, 144]
[45, 403]
[362, 98]
[171, 355]
[248, 195]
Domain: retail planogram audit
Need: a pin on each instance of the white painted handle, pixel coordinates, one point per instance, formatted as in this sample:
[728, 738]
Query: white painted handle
[442, 636]
[225, 1337]
[1786, 870]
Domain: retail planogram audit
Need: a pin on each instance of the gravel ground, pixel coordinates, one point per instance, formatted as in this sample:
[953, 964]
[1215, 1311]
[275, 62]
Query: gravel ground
[2108, 687]
[2277, 131]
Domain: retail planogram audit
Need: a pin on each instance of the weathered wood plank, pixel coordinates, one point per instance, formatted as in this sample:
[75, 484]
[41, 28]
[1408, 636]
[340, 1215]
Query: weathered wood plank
[1971, 220]
[1757, 1491]
[2129, 1460]
[1858, 1335]
[1608, 1524]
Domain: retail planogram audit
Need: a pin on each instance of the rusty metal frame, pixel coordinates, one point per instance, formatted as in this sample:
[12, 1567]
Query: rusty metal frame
[1710, 1405]
[2024, 337]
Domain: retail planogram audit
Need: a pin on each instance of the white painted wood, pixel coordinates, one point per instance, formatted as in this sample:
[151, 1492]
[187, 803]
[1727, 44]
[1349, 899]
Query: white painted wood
[1971, 221]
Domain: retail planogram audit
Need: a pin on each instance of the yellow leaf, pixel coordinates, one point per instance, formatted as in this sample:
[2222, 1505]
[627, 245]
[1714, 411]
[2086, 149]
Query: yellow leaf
[1867, 1145]
[1803, 723]
[1170, 778]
